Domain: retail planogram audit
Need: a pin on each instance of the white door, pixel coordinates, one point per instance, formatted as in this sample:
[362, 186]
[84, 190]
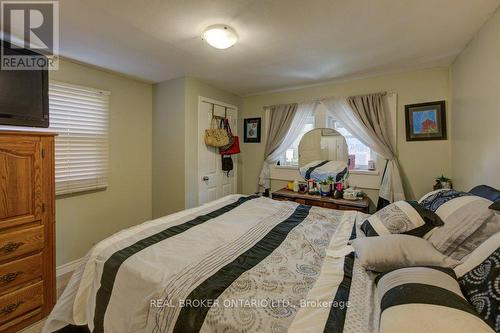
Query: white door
[213, 182]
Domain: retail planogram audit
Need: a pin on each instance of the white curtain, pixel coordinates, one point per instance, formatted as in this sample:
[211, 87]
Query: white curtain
[303, 113]
[391, 188]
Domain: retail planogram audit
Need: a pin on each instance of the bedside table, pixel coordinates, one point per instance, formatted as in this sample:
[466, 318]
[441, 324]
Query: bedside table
[284, 194]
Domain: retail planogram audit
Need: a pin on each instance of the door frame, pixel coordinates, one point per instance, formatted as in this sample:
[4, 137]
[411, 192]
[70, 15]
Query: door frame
[202, 99]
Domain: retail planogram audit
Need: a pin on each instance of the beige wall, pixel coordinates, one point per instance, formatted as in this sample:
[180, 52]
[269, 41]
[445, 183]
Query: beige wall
[84, 219]
[420, 161]
[153, 160]
[175, 141]
[168, 146]
[476, 110]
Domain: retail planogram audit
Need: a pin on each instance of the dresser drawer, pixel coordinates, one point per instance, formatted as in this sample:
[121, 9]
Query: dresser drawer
[17, 243]
[20, 302]
[313, 203]
[330, 205]
[277, 198]
[343, 207]
[20, 271]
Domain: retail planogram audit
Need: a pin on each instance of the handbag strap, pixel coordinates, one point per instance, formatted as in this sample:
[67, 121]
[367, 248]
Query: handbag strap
[212, 118]
[228, 126]
[212, 123]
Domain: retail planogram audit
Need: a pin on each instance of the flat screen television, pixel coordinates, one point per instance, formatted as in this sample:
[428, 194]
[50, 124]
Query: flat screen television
[23, 94]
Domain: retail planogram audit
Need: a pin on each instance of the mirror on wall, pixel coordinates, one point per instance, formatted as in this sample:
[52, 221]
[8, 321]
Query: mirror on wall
[323, 153]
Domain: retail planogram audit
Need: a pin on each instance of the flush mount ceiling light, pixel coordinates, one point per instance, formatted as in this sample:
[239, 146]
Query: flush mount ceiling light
[220, 36]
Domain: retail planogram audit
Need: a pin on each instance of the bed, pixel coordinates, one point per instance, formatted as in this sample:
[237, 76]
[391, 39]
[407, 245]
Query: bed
[251, 264]
[239, 264]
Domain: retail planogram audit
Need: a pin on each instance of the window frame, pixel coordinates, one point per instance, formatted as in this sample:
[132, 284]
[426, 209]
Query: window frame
[82, 144]
[332, 123]
[282, 160]
[364, 179]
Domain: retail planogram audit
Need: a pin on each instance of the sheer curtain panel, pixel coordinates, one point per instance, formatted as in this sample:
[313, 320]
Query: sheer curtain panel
[285, 125]
[366, 118]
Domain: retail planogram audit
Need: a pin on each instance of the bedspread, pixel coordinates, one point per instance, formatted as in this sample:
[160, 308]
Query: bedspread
[238, 264]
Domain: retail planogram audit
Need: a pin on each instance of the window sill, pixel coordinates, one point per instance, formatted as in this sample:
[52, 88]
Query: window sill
[289, 167]
[364, 172]
[76, 192]
[353, 171]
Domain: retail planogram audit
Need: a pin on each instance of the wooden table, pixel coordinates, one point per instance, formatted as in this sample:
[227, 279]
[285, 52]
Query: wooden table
[284, 194]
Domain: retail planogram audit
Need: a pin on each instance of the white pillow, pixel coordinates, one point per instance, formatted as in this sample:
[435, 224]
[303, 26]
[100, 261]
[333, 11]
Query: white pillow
[389, 252]
[491, 227]
[478, 255]
[462, 214]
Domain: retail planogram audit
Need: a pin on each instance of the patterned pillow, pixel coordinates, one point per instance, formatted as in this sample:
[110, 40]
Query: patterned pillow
[479, 279]
[401, 217]
[425, 299]
[429, 194]
[462, 214]
[435, 199]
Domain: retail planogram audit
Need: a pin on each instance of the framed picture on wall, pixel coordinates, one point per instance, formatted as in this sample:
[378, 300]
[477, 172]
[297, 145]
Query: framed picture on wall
[426, 121]
[252, 130]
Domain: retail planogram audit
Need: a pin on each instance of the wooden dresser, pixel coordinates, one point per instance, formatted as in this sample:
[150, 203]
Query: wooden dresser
[27, 228]
[362, 205]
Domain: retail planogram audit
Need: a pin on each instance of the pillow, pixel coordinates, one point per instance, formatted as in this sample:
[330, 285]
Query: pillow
[462, 214]
[491, 227]
[441, 196]
[430, 193]
[425, 299]
[389, 252]
[401, 217]
[479, 279]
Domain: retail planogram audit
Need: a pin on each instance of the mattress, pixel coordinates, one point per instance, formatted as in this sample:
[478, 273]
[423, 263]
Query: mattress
[238, 264]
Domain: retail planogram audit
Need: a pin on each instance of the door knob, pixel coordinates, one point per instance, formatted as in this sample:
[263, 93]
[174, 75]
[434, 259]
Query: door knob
[205, 178]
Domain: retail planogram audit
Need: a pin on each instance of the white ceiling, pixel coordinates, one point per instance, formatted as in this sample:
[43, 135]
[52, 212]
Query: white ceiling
[282, 43]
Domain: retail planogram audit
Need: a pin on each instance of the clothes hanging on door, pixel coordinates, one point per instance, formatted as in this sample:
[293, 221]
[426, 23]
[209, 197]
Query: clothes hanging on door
[227, 164]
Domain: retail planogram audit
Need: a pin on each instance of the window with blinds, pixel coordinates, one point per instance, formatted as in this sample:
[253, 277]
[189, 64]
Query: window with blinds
[80, 116]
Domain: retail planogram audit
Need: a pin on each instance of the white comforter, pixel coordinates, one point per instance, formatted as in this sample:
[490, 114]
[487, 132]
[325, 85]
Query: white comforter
[260, 265]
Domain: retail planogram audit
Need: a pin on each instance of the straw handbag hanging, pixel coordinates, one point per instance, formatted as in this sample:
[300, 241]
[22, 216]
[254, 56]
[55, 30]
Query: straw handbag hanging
[216, 136]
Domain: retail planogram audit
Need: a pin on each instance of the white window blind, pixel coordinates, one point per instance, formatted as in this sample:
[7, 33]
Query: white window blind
[80, 116]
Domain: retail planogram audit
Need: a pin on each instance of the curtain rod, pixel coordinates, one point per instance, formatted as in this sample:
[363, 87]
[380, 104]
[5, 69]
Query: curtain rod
[319, 99]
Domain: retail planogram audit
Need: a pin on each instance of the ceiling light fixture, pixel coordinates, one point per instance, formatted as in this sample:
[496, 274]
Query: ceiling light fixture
[220, 36]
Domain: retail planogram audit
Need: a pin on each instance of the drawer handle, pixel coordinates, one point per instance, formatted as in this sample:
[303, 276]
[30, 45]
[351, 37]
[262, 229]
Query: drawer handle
[9, 308]
[11, 247]
[9, 277]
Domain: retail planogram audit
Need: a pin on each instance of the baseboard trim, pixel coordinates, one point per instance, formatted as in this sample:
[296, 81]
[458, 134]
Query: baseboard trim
[67, 267]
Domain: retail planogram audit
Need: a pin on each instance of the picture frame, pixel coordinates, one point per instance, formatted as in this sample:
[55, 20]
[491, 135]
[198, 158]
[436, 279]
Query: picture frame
[426, 121]
[252, 130]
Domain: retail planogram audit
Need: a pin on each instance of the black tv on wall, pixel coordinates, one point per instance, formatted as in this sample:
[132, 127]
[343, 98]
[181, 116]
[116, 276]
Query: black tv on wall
[23, 93]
